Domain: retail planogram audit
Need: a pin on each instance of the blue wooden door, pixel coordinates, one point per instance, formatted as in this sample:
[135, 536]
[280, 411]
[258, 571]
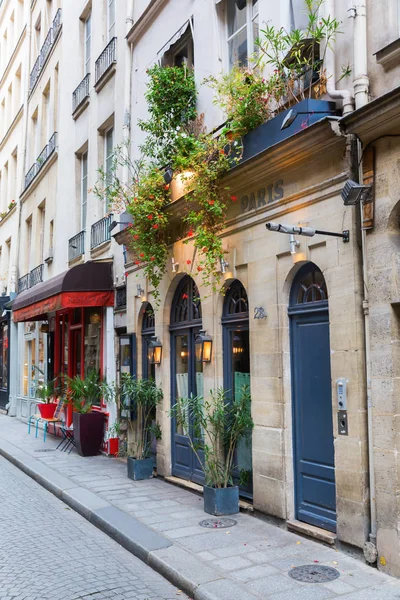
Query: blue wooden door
[315, 493]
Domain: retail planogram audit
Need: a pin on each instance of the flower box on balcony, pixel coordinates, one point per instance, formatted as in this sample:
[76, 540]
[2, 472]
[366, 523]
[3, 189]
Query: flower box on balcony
[270, 133]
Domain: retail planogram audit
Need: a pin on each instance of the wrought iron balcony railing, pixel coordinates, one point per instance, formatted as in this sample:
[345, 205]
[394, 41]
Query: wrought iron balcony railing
[36, 276]
[120, 297]
[23, 283]
[45, 50]
[100, 232]
[81, 92]
[76, 245]
[41, 160]
[107, 58]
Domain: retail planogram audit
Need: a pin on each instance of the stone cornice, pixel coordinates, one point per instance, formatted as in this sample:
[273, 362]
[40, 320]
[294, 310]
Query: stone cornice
[378, 118]
[145, 19]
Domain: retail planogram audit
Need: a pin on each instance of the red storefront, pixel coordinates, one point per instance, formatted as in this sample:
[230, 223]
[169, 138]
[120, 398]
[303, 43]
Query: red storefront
[73, 304]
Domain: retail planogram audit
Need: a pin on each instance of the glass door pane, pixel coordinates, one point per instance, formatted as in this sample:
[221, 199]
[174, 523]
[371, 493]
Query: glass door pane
[182, 371]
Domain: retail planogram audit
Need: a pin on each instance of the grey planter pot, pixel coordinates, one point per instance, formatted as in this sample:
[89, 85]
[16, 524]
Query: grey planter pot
[140, 468]
[222, 501]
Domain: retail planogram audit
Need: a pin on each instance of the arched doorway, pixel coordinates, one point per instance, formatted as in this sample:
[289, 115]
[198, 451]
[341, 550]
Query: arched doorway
[148, 329]
[148, 367]
[313, 448]
[186, 373]
[236, 355]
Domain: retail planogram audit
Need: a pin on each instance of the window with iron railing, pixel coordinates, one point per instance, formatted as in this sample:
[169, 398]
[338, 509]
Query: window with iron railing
[76, 246]
[43, 157]
[81, 92]
[100, 232]
[107, 58]
[23, 283]
[120, 297]
[45, 50]
[36, 276]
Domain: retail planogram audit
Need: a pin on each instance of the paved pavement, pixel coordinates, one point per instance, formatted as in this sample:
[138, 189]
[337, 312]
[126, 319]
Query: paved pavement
[49, 552]
[160, 523]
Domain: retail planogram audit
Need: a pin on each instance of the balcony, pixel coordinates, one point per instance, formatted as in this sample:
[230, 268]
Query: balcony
[105, 64]
[45, 50]
[36, 276]
[80, 97]
[76, 246]
[100, 232]
[41, 160]
[23, 283]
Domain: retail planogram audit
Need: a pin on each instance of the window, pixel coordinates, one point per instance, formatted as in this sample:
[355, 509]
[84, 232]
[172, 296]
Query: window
[110, 19]
[179, 50]
[84, 189]
[243, 27]
[35, 359]
[88, 36]
[51, 234]
[298, 15]
[28, 243]
[42, 220]
[108, 158]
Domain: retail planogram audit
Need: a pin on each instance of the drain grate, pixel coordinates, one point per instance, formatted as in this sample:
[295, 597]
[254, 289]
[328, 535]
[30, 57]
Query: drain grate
[46, 450]
[314, 573]
[217, 523]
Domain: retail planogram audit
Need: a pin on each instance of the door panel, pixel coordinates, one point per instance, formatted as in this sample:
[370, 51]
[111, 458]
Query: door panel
[312, 411]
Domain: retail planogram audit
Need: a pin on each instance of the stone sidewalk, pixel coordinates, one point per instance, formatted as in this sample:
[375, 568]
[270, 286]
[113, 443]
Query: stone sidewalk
[159, 523]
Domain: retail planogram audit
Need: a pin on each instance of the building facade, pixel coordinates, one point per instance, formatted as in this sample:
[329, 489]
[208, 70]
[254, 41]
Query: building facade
[310, 324]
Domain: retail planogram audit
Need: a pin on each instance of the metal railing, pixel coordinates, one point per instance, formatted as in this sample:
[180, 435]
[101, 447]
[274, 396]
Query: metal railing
[81, 92]
[45, 50]
[36, 276]
[120, 297]
[100, 232]
[106, 59]
[23, 283]
[41, 160]
[76, 245]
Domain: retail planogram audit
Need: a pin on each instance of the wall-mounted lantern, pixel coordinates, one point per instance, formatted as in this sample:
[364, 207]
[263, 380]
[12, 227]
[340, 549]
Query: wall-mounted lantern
[203, 347]
[154, 351]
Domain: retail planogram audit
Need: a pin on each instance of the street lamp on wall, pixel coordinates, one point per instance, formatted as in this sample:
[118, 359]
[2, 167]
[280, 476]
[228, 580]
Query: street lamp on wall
[203, 347]
[154, 351]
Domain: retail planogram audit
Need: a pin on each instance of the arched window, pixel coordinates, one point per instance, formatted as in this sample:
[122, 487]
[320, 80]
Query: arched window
[309, 287]
[236, 356]
[186, 372]
[148, 324]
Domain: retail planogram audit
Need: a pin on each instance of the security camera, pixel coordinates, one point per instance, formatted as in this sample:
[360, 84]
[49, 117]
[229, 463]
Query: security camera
[290, 229]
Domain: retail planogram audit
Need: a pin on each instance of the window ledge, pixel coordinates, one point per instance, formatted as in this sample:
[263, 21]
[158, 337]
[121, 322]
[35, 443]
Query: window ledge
[106, 76]
[82, 106]
[389, 55]
[97, 250]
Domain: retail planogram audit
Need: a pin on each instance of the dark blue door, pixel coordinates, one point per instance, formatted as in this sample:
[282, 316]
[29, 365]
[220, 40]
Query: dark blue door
[315, 494]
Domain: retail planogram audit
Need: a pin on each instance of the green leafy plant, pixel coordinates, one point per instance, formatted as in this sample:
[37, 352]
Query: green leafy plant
[46, 391]
[243, 96]
[297, 57]
[214, 427]
[85, 392]
[137, 400]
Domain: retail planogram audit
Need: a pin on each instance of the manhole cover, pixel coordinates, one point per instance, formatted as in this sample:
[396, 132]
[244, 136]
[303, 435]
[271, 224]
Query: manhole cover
[46, 450]
[314, 573]
[217, 523]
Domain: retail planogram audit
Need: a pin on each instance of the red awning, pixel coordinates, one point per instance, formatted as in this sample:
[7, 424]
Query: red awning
[88, 285]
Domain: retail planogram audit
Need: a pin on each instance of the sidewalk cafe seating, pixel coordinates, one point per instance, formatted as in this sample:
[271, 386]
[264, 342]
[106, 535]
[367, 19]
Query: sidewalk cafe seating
[46, 422]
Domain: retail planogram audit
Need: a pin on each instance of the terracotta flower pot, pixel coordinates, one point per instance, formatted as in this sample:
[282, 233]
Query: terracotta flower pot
[47, 410]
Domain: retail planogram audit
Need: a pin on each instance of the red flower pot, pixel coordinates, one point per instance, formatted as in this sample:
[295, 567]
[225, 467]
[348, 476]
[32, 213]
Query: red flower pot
[47, 410]
[112, 446]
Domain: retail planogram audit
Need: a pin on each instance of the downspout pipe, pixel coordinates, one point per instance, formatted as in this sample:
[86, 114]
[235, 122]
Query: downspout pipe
[370, 549]
[126, 128]
[335, 94]
[361, 80]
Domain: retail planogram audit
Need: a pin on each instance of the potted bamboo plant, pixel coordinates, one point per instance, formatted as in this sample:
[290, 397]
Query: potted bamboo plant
[214, 427]
[88, 424]
[137, 400]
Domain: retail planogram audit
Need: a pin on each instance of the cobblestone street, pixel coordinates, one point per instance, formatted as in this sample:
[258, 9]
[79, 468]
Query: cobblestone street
[49, 552]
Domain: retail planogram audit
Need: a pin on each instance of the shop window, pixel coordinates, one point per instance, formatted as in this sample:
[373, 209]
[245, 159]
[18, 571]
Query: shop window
[92, 356]
[243, 30]
[35, 359]
[236, 353]
[4, 356]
